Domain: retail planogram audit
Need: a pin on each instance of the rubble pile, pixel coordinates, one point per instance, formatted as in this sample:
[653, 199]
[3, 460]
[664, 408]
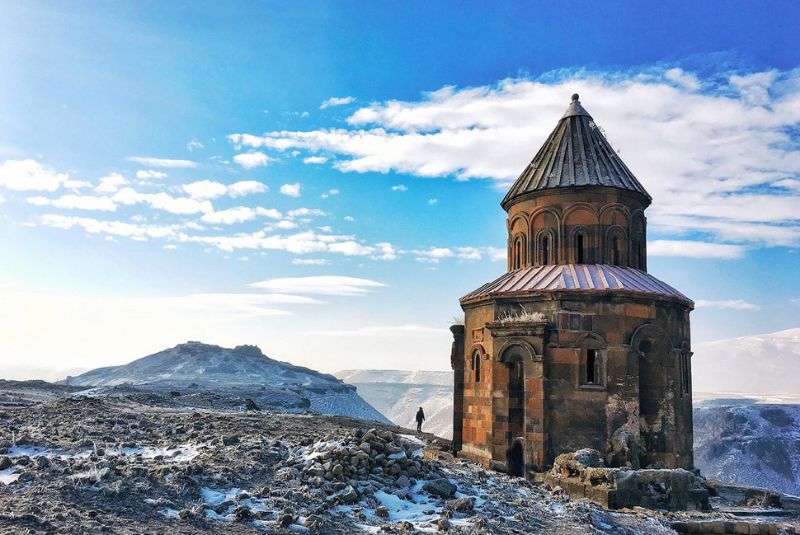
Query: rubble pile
[365, 461]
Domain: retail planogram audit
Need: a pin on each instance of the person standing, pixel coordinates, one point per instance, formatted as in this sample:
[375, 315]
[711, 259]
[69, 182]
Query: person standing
[420, 419]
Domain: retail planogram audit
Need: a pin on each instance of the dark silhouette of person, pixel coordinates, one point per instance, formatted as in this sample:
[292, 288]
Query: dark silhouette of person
[420, 419]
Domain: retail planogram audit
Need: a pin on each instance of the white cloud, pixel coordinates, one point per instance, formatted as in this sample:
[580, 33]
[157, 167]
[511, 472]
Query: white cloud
[194, 145]
[333, 192]
[286, 225]
[205, 189]
[163, 201]
[77, 202]
[694, 249]
[230, 216]
[246, 187]
[2, 199]
[433, 201]
[310, 262]
[138, 232]
[30, 175]
[385, 251]
[399, 187]
[434, 255]
[249, 160]
[734, 304]
[163, 162]
[291, 190]
[77, 184]
[111, 183]
[148, 174]
[383, 331]
[334, 101]
[320, 285]
[717, 155]
[315, 159]
[272, 213]
[306, 212]
[209, 189]
[349, 218]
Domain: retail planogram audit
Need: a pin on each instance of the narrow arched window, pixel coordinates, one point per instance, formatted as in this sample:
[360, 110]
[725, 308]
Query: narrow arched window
[637, 253]
[615, 251]
[580, 255]
[517, 253]
[686, 380]
[476, 367]
[545, 249]
[591, 367]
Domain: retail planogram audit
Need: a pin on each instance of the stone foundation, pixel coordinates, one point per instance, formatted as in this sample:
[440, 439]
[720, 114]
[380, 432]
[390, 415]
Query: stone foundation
[581, 474]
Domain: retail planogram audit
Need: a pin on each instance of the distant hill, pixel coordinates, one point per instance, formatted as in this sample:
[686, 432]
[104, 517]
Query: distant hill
[398, 394]
[759, 364]
[243, 370]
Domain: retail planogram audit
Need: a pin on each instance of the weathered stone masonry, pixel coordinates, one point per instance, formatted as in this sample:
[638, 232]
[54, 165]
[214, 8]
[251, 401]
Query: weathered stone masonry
[576, 346]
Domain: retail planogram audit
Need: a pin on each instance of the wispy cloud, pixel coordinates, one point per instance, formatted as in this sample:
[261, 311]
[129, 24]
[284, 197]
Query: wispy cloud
[230, 216]
[30, 175]
[695, 249]
[194, 145]
[336, 101]
[147, 174]
[434, 255]
[399, 187]
[320, 285]
[210, 189]
[315, 159]
[163, 201]
[383, 331]
[163, 162]
[734, 304]
[310, 261]
[76, 202]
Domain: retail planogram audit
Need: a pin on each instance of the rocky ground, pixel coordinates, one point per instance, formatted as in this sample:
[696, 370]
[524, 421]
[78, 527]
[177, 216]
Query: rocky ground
[76, 464]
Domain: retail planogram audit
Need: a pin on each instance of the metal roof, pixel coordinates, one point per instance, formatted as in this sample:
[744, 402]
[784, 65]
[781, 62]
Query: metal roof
[575, 154]
[582, 278]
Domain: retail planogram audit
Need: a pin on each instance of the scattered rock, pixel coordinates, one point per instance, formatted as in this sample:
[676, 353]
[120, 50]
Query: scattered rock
[440, 487]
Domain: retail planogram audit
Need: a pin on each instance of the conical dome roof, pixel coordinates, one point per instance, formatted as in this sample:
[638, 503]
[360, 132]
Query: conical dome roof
[576, 154]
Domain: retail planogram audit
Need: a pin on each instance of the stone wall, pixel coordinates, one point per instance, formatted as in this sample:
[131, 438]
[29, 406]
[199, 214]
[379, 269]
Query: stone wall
[634, 407]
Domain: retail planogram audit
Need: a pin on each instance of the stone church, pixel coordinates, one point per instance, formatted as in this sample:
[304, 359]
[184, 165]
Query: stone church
[576, 346]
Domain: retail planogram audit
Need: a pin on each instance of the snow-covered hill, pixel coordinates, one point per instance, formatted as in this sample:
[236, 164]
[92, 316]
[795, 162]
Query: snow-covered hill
[243, 370]
[760, 364]
[398, 394]
[743, 442]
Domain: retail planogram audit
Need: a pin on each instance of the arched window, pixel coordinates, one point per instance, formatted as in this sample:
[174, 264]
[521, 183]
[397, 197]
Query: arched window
[580, 251]
[545, 249]
[615, 251]
[476, 366]
[686, 379]
[592, 368]
[638, 252]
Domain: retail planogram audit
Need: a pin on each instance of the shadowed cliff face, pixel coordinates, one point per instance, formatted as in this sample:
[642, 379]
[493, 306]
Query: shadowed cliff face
[742, 442]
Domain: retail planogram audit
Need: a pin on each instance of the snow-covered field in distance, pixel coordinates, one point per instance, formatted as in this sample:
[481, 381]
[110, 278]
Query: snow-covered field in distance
[398, 394]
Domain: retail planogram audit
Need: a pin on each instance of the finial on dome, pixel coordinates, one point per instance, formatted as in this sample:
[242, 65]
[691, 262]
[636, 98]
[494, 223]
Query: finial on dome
[575, 108]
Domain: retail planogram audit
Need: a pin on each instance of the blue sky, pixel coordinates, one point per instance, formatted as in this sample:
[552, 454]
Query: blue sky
[167, 170]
